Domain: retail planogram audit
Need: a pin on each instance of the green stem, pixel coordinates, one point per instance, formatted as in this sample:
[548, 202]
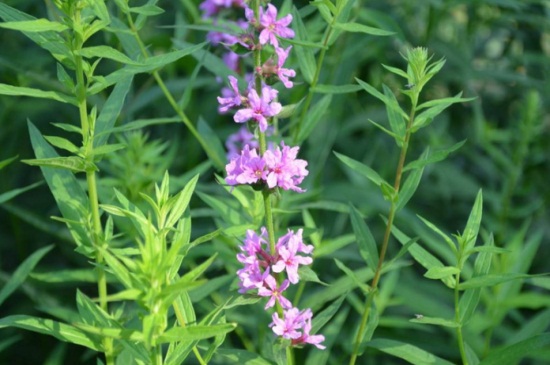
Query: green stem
[460, 339]
[88, 145]
[309, 97]
[387, 233]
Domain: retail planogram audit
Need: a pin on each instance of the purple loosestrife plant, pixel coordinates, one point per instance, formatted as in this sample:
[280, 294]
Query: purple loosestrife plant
[269, 267]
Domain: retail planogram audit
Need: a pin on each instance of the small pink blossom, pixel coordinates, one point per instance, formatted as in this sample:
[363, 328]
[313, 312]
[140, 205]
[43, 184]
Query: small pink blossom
[284, 73]
[274, 293]
[285, 170]
[288, 259]
[231, 97]
[259, 108]
[288, 326]
[273, 27]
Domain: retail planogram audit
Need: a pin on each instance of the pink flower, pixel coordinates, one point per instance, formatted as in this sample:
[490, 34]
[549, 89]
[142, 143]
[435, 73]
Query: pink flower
[285, 171]
[259, 109]
[230, 97]
[251, 277]
[284, 73]
[288, 258]
[237, 166]
[273, 27]
[274, 292]
[288, 326]
[305, 321]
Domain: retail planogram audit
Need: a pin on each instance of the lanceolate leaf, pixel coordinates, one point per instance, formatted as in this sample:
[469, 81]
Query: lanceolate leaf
[470, 298]
[435, 321]
[434, 109]
[360, 28]
[336, 89]
[411, 184]
[433, 157]
[49, 40]
[395, 117]
[72, 163]
[410, 353]
[474, 221]
[20, 274]
[490, 280]
[37, 25]
[365, 240]
[59, 330]
[361, 168]
[70, 198]
[111, 110]
[35, 93]
[314, 117]
[305, 55]
[511, 354]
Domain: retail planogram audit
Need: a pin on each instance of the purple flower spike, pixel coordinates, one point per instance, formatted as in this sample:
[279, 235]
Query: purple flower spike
[274, 293]
[259, 109]
[273, 27]
[284, 73]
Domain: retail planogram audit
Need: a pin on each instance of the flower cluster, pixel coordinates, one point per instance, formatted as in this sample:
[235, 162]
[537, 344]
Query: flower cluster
[268, 268]
[256, 275]
[278, 167]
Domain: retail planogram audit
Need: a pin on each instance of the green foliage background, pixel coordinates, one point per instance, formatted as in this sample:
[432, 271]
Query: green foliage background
[497, 51]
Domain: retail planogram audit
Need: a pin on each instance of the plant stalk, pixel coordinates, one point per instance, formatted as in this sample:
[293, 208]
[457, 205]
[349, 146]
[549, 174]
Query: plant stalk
[387, 233]
[459, 336]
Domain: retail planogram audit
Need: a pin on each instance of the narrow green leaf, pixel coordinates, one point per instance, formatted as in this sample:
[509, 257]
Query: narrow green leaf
[513, 353]
[7, 161]
[106, 52]
[149, 65]
[66, 276]
[194, 333]
[411, 184]
[181, 201]
[35, 26]
[22, 271]
[70, 198]
[423, 257]
[441, 272]
[361, 168]
[435, 321]
[35, 93]
[434, 228]
[148, 10]
[389, 101]
[49, 40]
[436, 156]
[336, 89]
[396, 119]
[8, 195]
[474, 221]
[314, 117]
[197, 271]
[59, 330]
[62, 143]
[470, 299]
[491, 279]
[365, 240]
[305, 55]
[326, 314]
[360, 28]
[71, 163]
[350, 274]
[307, 274]
[410, 353]
[397, 71]
[435, 108]
[212, 144]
